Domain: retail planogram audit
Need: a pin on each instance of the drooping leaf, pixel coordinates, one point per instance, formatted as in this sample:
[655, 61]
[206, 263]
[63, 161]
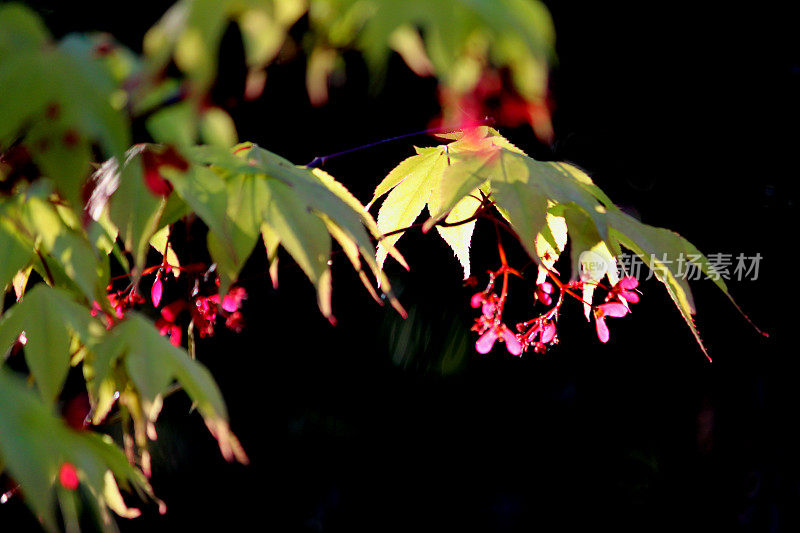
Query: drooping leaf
[230, 240]
[35, 444]
[152, 364]
[305, 237]
[550, 242]
[592, 261]
[660, 249]
[67, 255]
[133, 208]
[50, 319]
[459, 236]
[15, 249]
[251, 193]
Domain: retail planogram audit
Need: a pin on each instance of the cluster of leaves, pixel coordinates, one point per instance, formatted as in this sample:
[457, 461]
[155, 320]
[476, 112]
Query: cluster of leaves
[82, 210]
[543, 203]
[467, 44]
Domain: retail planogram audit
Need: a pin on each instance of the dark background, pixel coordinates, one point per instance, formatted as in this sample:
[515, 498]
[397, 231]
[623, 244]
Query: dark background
[685, 115]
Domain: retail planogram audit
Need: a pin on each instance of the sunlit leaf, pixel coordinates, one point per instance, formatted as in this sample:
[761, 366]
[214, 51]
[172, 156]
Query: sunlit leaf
[35, 461]
[49, 318]
[253, 192]
[152, 364]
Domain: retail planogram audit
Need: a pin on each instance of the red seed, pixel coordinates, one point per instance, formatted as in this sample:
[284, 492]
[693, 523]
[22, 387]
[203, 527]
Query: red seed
[68, 476]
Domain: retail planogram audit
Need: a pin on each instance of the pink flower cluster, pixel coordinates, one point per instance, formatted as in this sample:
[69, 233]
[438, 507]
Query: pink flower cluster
[623, 293]
[490, 326]
[204, 311]
[538, 333]
[541, 332]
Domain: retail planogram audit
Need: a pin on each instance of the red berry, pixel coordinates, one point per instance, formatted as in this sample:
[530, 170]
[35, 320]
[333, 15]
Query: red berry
[68, 476]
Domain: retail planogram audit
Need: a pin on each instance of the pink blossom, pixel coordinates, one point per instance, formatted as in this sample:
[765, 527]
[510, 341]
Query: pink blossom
[613, 309]
[548, 332]
[235, 322]
[156, 291]
[171, 330]
[487, 303]
[477, 300]
[625, 290]
[545, 330]
[513, 345]
[486, 341]
[233, 300]
[171, 311]
[543, 293]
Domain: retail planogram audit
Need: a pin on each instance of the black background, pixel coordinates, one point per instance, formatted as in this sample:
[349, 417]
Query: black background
[686, 115]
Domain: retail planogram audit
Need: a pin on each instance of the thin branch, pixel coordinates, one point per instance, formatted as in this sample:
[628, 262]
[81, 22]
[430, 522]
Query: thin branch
[319, 161]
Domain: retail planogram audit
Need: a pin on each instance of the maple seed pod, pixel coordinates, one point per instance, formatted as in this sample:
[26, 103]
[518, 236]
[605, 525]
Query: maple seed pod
[157, 290]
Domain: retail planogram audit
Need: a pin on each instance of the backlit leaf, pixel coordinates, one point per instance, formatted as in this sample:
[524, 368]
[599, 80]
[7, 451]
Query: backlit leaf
[49, 318]
[152, 364]
[35, 461]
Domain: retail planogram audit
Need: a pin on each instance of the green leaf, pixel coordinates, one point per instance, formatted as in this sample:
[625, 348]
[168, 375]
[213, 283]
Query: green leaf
[59, 101]
[152, 364]
[16, 251]
[232, 208]
[71, 258]
[660, 249]
[495, 164]
[160, 243]
[526, 209]
[176, 124]
[20, 29]
[49, 318]
[232, 236]
[460, 37]
[411, 183]
[253, 192]
[133, 208]
[191, 31]
[420, 180]
[305, 236]
[591, 259]
[459, 237]
[217, 128]
[34, 444]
